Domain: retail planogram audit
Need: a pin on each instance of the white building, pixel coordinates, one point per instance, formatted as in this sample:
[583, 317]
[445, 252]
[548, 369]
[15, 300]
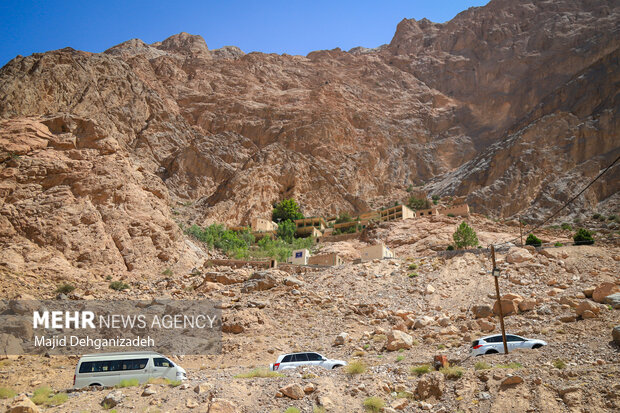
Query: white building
[376, 252]
[299, 257]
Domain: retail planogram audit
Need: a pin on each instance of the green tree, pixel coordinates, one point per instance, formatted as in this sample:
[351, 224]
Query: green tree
[286, 230]
[583, 237]
[344, 217]
[533, 240]
[418, 203]
[286, 209]
[465, 236]
[436, 199]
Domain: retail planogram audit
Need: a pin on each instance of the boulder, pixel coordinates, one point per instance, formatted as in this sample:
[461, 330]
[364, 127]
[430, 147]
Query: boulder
[397, 339]
[148, 390]
[430, 385]
[604, 290]
[527, 305]
[516, 255]
[203, 387]
[615, 335]
[22, 404]
[587, 305]
[588, 291]
[112, 399]
[512, 380]
[341, 339]
[260, 281]
[400, 404]
[508, 307]
[293, 282]
[422, 322]
[222, 406]
[482, 311]
[613, 300]
[486, 326]
[293, 390]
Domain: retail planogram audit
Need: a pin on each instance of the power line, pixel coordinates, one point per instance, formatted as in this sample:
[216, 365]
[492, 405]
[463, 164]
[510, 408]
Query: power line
[567, 202]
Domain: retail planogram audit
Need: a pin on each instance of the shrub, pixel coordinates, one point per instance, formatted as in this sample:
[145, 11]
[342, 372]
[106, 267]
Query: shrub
[344, 218]
[65, 289]
[167, 272]
[420, 370]
[217, 236]
[452, 372]
[613, 217]
[373, 404]
[119, 285]
[418, 203]
[451, 215]
[128, 383]
[258, 373]
[558, 244]
[533, 240]
[465, 236]
[566, 226]
[355, 367]
[435, 199]
[41, 395]
[286, 230]
[596, 216]
[450, 248]
[318, 409]
[278, 248]
[413, 266]
[410, 188]
[6, 393]
[400, 358]
[413, 275]
[583, 237]
[559, 364]
[287, 209]
[482, 365]
[292, 410]
[57, 399]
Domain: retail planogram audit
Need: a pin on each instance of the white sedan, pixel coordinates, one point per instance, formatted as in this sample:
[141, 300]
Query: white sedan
[494, 344]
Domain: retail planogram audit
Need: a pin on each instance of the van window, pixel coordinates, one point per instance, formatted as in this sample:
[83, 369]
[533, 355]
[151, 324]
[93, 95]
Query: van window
[162, 362]
[103, 366]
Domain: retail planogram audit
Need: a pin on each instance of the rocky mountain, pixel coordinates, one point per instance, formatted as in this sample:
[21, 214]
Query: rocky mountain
[512, 105]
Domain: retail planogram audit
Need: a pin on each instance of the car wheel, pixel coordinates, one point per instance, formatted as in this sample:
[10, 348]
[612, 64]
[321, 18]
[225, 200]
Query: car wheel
[537, 346]
[95, 384]
[336, 366]
[491, 351]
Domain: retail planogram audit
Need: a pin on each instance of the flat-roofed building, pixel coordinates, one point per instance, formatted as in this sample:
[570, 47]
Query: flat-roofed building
[461, 210]
[326, 259]
[263, 225]
[427, 212]
[299, 257]
[307, 226]
[395, 213]
[376, 252]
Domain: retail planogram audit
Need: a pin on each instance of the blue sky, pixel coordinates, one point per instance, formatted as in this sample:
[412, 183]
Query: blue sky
[294, 27]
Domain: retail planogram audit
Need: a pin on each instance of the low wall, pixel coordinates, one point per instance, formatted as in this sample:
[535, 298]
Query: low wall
[242, 263]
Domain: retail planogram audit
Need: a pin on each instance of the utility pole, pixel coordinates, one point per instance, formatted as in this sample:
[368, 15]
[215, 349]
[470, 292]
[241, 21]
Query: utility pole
[495, 273]
[520, 233]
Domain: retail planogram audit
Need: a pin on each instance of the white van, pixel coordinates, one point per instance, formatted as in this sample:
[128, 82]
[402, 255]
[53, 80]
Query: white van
[109, 369]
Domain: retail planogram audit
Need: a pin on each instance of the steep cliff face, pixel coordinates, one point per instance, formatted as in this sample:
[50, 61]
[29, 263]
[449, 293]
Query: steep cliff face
[510, 105]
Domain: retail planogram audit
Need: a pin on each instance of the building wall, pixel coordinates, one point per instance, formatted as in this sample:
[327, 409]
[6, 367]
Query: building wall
[260, 225]
[408, 212]
[461, 210]
[376, 252]
[299, 257]
[427, 212]
[326, 259]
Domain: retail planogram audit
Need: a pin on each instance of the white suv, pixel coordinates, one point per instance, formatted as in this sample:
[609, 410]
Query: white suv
[294, 360]
[495, 344]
